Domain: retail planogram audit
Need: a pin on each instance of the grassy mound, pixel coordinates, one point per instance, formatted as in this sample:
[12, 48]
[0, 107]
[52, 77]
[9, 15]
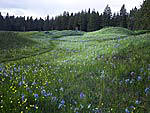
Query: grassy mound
[59, 34]
[112, 31]
[10, 40]
[19, 45]
[139, 32]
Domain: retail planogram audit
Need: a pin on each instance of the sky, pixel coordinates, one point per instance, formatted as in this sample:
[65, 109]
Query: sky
[42, 8]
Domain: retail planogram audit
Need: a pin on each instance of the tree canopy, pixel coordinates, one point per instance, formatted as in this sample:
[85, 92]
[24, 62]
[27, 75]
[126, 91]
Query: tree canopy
[84, 20]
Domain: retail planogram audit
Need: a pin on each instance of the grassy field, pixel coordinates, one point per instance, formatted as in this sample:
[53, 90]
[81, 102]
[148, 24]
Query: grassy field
[107, 71]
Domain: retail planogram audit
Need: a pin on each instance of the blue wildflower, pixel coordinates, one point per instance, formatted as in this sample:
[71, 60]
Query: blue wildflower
[59, 80]
[118, 38]
[34, 83]
[5, 74]
[139, 78]
[22, 98]
[43, 92]
[127, 80]
[23, 78]
[147, 90]
[46, 83]
[62, 102]
[137, 102]
[1, 69]
[127, 111]
[82, 95]
[132, 107]
[132, 73]
[120, 82]
[36, 95]
[20, 83]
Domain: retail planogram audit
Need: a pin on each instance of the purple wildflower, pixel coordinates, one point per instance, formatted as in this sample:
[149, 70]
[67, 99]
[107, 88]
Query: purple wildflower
[63, 102]
[137, 102]
[139, 78]
[82, 95]
[22, 98]
[36, 96]
[127, 80]
[147, 90]
[127, 111]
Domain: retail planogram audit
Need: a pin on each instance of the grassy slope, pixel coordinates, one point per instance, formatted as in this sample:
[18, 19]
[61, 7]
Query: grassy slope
[113, 30]
[16, 46]
[100, 71]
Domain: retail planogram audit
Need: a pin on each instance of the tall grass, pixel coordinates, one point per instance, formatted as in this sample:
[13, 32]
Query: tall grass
[80, 74]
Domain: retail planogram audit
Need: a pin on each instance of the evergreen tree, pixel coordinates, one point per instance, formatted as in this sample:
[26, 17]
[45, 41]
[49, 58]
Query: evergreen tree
[83, 21]
[71, 22]
[46, 26]
[58, 23]
[107, 16]
[94, 22]
[65, 20]
[1, 22]
[76, 21]
[123, 17]
[35, 25]
[115, 21]
[52, 24]
[144, 15]
[7, 23]
[132, 19]
[40, 24]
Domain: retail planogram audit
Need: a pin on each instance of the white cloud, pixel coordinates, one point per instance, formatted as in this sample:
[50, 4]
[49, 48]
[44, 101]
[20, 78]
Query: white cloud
[40, 8]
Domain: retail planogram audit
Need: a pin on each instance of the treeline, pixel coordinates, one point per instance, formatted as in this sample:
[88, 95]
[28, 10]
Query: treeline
[84, 20]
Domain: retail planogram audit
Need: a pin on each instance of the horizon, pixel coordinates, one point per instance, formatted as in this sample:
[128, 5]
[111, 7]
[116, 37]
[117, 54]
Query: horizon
[57, 7]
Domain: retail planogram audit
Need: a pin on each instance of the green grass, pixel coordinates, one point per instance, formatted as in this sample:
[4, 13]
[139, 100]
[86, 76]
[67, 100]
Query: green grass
[113, 30]
[10, 40]
[141, 32]
[59, 34]
[106, 72]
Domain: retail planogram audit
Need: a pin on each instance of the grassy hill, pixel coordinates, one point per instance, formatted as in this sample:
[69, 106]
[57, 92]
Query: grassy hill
[107, 71]
[113, 30]
[10, 40]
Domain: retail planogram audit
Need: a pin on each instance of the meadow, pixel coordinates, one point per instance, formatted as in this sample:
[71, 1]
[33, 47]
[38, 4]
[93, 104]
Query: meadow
[106, 71]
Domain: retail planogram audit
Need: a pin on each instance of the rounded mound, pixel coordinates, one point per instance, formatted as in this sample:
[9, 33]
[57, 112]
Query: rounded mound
[114, 30]
[10, 40]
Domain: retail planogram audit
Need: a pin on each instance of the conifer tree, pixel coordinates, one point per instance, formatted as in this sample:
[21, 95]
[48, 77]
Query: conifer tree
[107, 16]
[83, 21]
[123, 17]
[1, 22]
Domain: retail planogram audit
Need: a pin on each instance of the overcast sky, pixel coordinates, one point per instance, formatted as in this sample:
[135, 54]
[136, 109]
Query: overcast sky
[42, 8]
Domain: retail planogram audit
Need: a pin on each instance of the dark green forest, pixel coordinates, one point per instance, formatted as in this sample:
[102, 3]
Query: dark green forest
[90, 20]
